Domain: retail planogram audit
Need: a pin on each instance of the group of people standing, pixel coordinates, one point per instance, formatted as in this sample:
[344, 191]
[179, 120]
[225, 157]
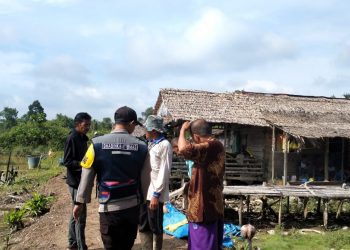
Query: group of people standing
[132, 179]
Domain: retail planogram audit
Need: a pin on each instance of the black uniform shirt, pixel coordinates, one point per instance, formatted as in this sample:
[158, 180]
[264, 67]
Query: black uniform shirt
[74, 151]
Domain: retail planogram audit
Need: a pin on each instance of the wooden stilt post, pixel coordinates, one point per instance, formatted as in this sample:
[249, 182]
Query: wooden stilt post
[273, 155]
[280, 212]
[340, 205]
[342, 158]
[319, 205]
[306, 199]
[248, 203]
[285, 159]
[225, 143]
[325, 213]
[264, 207]
[240, 209]
[326, 160]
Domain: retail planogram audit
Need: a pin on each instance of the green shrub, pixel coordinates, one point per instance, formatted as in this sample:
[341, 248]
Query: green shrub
[14, 218]
[37, 205]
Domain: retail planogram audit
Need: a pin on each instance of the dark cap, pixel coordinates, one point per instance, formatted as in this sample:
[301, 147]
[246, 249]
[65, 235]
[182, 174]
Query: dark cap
[126, 115]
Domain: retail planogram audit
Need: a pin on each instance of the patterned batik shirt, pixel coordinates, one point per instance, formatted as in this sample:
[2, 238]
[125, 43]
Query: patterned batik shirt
[205, 197]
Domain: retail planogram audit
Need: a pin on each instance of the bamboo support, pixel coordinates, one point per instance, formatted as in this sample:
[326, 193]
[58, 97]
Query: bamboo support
[285, 159]
[280, 212]
[273, 155]
[340, 205]
[240, 209]
[342, 158]
[325, 213]
[305, 207]
[248, 203]
[319, 200]
[326, 160]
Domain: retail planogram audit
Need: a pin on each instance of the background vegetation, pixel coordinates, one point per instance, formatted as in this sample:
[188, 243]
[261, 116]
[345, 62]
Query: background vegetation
[33, 133]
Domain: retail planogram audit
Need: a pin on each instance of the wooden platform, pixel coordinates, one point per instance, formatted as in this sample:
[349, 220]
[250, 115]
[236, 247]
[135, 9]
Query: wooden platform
[322, 193]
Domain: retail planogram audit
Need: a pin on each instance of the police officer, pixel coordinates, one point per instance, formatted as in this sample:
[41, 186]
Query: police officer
[121, 163]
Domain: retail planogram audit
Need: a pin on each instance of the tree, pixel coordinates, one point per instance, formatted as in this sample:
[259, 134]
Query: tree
[63, 121]
[145, 114]
[106, 123]
[8, 117]
[347, 96]
[35, 113]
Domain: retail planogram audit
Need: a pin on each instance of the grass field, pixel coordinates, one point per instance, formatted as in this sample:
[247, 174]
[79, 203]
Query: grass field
[294, 239]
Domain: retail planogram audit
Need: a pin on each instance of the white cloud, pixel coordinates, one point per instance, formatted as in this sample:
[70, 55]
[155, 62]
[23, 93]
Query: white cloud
[106, 28]
[63, 68]
[213, 42]
[57, 2]
[265, 86]
[87, 93]
[11, 6]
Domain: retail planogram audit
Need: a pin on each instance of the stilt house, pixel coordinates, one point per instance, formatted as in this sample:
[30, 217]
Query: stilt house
[270, 137]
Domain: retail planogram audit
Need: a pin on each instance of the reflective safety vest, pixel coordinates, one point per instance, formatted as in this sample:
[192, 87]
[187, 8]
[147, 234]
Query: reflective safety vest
[119, 158]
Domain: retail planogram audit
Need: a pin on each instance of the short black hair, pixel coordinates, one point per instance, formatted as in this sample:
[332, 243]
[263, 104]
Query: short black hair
[80, 117]
[201, 127]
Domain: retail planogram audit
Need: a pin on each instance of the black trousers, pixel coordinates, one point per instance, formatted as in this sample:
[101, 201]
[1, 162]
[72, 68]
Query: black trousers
[119, 228]
[151, 220]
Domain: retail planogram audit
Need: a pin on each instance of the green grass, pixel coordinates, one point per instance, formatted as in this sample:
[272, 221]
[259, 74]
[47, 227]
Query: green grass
[31, 179]
[295, 240]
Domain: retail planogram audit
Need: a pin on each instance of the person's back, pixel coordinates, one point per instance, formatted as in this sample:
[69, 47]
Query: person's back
[119, 158]
[121, 163]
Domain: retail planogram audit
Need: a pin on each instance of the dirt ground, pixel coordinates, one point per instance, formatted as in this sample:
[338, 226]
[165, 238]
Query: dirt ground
[50, 230]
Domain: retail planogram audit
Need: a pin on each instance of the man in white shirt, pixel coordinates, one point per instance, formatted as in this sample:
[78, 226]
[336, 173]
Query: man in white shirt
[151, 214]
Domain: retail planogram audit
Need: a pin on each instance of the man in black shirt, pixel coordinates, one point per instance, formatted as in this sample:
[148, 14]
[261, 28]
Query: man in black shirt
[74, 151]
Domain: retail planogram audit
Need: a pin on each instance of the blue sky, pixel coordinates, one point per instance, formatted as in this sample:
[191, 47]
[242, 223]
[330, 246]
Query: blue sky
[97, 55]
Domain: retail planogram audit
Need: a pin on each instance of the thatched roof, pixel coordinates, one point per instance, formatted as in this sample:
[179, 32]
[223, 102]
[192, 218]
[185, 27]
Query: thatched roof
[139, 131]
[306, 116]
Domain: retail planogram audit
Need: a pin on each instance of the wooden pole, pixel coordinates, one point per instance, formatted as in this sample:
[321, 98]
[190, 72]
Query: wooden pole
[342, 158]
[273, 155]
[326, 160]
[280, 212]
[285, 159]
[225, 133]
[8, 167]
[325, 213]
[340, 205]
[240, 209]
[306, 199]
[248, 203]
[319, 205]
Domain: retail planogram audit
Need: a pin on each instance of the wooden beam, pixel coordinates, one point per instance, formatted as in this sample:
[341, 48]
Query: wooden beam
[285, 159]
[326, 160]
[342, 158]
[273, 155]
